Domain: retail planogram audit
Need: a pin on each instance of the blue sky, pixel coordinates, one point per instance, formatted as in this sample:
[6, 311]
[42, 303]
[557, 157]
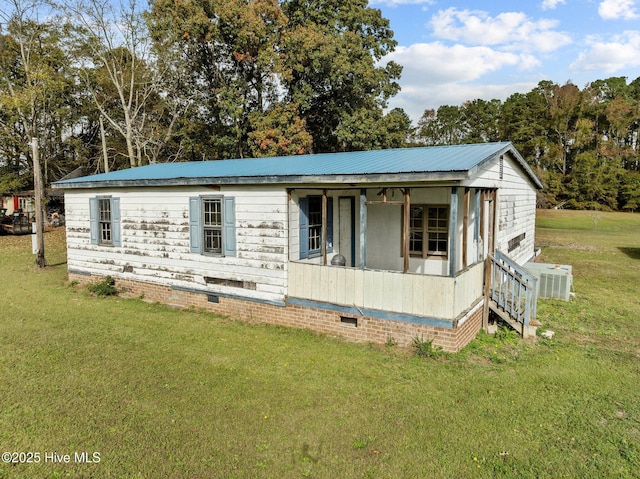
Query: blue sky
[458, 50]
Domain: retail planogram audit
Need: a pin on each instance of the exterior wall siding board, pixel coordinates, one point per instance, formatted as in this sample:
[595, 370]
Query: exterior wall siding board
[358, 286]
[394, 292]
[407, 294]
[341, 291]
[314, 284]
[418, 303]
[331, 284]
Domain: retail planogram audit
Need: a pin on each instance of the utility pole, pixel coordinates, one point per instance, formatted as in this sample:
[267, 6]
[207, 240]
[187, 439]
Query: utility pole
[104, 147]
[39, 194]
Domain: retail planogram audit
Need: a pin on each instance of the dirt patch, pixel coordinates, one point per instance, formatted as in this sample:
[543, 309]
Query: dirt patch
[580, 247]
[576, 246]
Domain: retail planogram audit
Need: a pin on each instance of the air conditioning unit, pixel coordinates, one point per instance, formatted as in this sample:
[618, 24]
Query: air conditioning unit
[554, 280]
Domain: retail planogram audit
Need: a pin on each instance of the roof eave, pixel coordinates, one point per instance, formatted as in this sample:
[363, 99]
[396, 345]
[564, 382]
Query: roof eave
[272, 180]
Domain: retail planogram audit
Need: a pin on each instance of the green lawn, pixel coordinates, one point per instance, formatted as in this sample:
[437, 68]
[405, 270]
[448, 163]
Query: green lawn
[184, 394]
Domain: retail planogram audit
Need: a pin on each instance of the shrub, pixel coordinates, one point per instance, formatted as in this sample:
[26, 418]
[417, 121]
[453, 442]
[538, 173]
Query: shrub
[104, 287]
[425, 349]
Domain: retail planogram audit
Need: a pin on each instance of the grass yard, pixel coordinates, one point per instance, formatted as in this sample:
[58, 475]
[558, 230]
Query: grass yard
[158, 392]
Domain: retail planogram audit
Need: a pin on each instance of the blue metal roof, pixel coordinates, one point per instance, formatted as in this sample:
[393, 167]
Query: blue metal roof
[425, 162]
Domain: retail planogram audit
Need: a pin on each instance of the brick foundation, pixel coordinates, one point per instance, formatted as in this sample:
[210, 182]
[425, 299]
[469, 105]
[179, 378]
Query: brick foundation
[366, 329]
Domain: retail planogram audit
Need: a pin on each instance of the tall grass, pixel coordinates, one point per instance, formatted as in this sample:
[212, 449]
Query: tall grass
[159, 392]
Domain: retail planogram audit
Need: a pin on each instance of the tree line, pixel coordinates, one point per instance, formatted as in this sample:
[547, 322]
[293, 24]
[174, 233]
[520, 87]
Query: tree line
[108, 84]
[582, 144]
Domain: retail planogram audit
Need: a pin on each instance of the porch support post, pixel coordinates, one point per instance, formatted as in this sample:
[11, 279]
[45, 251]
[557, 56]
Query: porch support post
[289, 191]
[324, 227]
[493, 221]
[487, 293]
[483, 215]
[363, 228]
[465, 228]
[476, 224]
[453, 231]
[405, 229]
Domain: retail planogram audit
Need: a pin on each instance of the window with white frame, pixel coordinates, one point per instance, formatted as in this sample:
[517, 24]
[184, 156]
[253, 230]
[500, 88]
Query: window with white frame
[105, 229]
[428, 230]
[212, 225]
[315, 224]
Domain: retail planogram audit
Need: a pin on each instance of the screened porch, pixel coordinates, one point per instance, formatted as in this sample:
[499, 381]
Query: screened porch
[414, 251]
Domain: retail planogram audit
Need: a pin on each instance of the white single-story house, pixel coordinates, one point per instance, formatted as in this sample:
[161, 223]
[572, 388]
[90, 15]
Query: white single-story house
[371, 245]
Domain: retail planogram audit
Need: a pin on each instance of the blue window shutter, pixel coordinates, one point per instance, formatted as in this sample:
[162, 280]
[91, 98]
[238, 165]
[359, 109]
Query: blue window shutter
[329, 225]
[116, 235]
[195, 224]
[93, 220]
[304, 227]
[229, 226]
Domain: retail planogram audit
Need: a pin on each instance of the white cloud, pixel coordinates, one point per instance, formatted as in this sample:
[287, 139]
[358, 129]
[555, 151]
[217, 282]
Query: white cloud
[621, 52]
[511, 30]
[551, 4]
[528, 63]
[435, 74]
[618, 9]
[434, 63]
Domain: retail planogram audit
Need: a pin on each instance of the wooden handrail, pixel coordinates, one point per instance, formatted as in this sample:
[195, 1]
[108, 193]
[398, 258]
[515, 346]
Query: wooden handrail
[512, 288]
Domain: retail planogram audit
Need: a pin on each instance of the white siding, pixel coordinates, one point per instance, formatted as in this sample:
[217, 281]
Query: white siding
[413, 294]
[516, 214]
[155, 240]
